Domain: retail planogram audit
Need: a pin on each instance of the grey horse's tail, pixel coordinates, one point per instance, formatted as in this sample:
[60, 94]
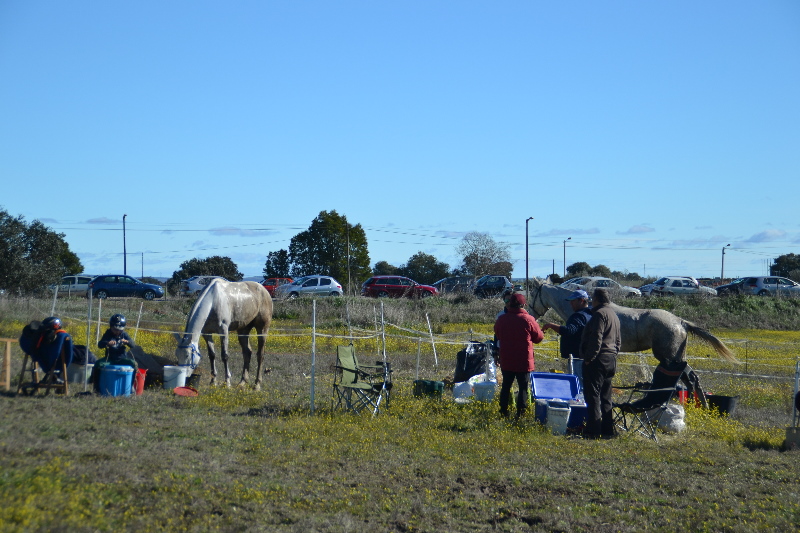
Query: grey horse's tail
[706, 336]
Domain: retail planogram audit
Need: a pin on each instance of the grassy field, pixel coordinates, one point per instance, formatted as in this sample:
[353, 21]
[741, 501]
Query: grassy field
[240, 460]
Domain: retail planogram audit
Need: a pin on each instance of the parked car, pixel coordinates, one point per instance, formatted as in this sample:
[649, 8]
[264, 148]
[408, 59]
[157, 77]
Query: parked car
[680, 286]
[454, 284]
[647, 290]
[492, 285]
[69, 285]
[396, 287]
[273, 283]
[118, 285]
[770, 286]
[590, 283]
[734, 287]
[315, 285]
[195, 284]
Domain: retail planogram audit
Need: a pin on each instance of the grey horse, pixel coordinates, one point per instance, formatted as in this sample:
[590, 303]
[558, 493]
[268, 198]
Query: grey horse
[641, 329]
[225, 306]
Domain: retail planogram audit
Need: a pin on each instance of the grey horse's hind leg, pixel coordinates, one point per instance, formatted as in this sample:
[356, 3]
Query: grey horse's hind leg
[262, 339]
[247, 352]
[224, 337]
[692, 382]
[212, 357]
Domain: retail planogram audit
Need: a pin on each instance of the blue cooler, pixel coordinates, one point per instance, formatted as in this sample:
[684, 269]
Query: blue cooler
[549, 387]
[116, 380]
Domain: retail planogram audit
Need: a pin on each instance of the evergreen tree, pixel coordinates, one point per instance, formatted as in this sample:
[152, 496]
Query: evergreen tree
[32, 255]
[323, 249]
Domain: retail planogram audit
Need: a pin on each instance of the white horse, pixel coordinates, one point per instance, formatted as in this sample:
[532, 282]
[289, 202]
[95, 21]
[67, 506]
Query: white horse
[225, 306]
[641, 329]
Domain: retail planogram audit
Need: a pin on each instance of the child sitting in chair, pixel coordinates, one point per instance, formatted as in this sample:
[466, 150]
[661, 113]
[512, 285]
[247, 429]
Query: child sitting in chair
[116, 342]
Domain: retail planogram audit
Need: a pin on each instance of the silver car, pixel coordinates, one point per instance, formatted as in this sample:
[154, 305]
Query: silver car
[658, 284]
[309, 286]
[77, 285]
[680, 286]
[591, 283]
[195, 284]
[770, 286]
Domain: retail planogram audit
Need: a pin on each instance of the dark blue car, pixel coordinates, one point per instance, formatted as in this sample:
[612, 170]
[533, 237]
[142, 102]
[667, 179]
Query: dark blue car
[111, 285]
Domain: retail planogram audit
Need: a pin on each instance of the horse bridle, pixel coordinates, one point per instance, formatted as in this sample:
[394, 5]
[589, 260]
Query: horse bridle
[194, 351]
[533, 303]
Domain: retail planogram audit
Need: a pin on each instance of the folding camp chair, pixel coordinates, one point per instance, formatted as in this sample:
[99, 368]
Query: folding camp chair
[648, 402]
[359, 387]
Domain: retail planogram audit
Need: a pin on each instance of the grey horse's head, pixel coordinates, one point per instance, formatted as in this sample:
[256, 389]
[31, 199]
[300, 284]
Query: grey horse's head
[188, 355]
[536, 304]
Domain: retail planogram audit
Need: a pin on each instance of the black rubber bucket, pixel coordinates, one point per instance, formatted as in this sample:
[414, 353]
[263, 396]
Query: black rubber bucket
[424, 387]
[726, 405]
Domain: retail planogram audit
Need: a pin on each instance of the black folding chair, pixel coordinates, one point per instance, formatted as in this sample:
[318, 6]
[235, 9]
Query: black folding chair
[648, 402]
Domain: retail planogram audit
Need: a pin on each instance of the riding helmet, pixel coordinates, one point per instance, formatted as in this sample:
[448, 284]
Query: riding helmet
[51, 322]
[117, 321]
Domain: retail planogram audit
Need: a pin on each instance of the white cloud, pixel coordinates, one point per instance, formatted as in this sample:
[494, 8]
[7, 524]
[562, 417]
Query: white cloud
[634, 230]
[767, 236]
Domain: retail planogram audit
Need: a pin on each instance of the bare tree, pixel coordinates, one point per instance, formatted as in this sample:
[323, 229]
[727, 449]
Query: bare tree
[482, 254]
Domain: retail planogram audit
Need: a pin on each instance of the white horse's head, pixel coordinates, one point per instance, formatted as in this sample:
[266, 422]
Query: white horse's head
[188, 355]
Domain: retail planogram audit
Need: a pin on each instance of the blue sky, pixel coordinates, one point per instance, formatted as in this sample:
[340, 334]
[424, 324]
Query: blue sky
[650, 133]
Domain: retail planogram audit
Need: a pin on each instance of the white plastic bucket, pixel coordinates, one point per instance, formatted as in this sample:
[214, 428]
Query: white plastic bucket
[78, 373]
[484, 390]
[462, 390]
[557, 417]
[174, 376]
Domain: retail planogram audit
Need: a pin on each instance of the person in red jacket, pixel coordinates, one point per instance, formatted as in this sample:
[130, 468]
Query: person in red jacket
[517, 332]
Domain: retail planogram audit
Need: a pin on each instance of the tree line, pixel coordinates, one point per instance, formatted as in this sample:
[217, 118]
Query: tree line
[33, 256]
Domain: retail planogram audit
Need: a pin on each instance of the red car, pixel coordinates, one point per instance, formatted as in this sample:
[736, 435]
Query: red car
[272, 283]
[396, 287]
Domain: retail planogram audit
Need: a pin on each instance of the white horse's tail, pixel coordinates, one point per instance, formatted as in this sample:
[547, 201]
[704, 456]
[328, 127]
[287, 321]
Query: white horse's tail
[706, 336]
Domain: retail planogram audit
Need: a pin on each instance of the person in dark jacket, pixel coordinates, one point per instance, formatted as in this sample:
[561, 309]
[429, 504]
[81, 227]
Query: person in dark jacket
[516, 332]
[116, 342]
[572, 331]
[600, 344]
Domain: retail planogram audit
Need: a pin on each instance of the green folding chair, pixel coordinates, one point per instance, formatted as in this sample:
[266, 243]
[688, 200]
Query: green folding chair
[357, 387]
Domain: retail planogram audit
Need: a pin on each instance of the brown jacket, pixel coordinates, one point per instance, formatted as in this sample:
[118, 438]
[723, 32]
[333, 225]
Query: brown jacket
[601, 336]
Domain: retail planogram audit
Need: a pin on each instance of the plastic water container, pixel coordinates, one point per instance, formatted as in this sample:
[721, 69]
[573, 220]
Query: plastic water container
[484, 390]
[557, 417]
[174, 376]
[79, 373]
[116, 380]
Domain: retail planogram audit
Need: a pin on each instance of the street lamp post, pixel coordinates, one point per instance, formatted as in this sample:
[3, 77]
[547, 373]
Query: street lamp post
[527, 291]
[124, 248]
[722, 274]
[565, 255]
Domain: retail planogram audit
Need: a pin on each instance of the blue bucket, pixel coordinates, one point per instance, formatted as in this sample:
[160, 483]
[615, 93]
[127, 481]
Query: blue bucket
[116, 380]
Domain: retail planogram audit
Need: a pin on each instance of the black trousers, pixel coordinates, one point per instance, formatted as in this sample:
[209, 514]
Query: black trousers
[523, 380]
[597, 393]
